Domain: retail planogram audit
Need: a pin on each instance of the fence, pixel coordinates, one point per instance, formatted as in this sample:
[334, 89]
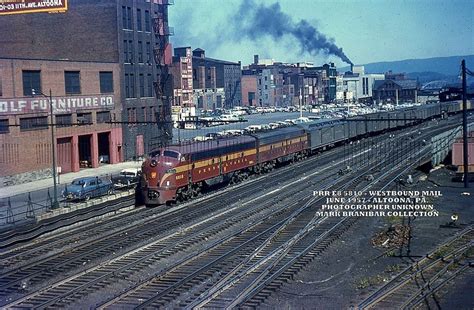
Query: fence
[22, 208]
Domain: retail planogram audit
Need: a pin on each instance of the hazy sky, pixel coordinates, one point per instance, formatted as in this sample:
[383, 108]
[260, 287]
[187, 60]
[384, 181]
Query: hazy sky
[367, 31]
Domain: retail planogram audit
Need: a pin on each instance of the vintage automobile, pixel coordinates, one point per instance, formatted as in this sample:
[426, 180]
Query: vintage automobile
[128, 178]
[87, 188]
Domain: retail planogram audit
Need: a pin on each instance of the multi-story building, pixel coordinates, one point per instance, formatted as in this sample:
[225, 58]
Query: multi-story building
[329, 81]
[208, 98]
[215, 73]
[396, 91]
[358, 85]
[85, 101]
[181, 70]
[249, 89]
[132, 33]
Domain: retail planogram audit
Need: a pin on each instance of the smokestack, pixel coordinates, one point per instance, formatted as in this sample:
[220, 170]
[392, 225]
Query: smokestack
[255, 21]
[255, 59]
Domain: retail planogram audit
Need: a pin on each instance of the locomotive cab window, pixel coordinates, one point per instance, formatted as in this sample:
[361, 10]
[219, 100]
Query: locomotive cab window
[155, 153]
[172, 154]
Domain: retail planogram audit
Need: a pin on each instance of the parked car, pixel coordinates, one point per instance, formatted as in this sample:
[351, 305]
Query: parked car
[128, 178]
[87, 188]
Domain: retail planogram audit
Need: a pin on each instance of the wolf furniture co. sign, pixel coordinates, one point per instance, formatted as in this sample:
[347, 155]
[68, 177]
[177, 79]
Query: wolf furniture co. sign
[60, 104]
[31, 6]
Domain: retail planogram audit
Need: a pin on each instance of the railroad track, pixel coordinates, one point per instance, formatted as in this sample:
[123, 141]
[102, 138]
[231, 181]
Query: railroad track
[62, 265]
[295, 191]
[41, 270]
[419, 282]
[179, 285]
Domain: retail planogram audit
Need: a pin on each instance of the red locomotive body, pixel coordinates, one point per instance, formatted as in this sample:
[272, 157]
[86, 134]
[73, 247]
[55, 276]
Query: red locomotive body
[180, 172]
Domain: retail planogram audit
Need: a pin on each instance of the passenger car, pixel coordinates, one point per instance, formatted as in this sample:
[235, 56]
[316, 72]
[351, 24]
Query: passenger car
[127, 178]
[86, 188]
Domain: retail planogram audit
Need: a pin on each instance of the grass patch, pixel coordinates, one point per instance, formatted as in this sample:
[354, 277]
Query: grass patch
[392, 268]
[369, 281]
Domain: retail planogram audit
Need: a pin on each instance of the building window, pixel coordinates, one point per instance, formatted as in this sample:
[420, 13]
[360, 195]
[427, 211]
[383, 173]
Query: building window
[140, 51]
[131, 52]
[103, 117]
[1, 93]
[144, 115]
[149, 85]
[148, 52]
[84, 118]
[132, 86]
[33, 123]
[147, 21]
[185, 83]
[4, 128]
[139, 20]
[106, 82]
[184, 66]
[31, 80]
[141, 81]
[72, 82]
[132, 116]
[63, 120]
[124, 17]
[125, 51]
[152, 114]
[129, 18]
[127, 86]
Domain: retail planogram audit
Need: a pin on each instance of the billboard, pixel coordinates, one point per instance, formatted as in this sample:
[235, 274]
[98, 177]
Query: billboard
[8, 7]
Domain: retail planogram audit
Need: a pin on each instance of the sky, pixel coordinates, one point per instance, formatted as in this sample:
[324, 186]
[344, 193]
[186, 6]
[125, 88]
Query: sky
[315, 31]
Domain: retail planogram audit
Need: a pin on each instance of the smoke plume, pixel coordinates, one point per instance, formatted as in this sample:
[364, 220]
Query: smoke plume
[255, 21]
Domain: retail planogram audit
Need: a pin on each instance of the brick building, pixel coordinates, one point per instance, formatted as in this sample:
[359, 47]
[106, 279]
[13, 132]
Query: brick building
[215, 73]
[249, 89]
[85, 99]
[132, 33]
[395, 91]
[181, 70]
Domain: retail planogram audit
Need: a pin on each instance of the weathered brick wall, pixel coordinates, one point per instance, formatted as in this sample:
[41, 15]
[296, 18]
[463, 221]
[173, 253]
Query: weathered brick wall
[30, 151]
[86, 32]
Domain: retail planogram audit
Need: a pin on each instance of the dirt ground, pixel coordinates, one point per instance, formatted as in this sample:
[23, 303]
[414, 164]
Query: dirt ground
[353, 267]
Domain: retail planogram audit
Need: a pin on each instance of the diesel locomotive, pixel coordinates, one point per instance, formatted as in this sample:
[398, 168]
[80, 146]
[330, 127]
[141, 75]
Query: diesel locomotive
[181, 172]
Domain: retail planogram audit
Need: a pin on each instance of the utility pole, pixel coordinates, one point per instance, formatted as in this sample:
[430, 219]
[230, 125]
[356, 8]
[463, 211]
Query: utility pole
[464, 125]
[55, 203]
[53, 142]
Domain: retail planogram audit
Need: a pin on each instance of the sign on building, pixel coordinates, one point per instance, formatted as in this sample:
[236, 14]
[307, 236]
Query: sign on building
[60, 104]
[8, 7]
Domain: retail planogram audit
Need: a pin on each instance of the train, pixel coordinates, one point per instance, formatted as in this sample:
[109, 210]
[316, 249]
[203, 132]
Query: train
[181, 172]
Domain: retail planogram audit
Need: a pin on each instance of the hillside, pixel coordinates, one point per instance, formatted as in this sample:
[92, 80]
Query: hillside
[429, 68]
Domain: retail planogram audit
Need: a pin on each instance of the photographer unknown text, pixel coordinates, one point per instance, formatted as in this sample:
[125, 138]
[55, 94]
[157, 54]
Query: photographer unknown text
[378, 203]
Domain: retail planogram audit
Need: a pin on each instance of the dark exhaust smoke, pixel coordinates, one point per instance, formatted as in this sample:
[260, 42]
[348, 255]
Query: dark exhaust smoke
[255, 21]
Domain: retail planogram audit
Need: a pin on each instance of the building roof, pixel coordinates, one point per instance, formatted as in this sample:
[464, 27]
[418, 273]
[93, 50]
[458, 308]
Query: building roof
[224, 62]
[350, 75]
[407, 84]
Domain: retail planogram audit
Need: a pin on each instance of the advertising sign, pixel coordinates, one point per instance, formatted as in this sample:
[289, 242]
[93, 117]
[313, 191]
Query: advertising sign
[60, 104]
[8, 7]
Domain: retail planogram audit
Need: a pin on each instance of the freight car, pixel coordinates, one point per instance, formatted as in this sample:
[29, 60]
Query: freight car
[182, 172]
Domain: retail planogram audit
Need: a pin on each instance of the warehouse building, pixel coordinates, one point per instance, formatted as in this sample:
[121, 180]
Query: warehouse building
[131, 33]
[85, 98]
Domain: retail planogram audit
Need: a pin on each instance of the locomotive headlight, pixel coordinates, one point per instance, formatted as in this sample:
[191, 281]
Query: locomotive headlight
[153, 163]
